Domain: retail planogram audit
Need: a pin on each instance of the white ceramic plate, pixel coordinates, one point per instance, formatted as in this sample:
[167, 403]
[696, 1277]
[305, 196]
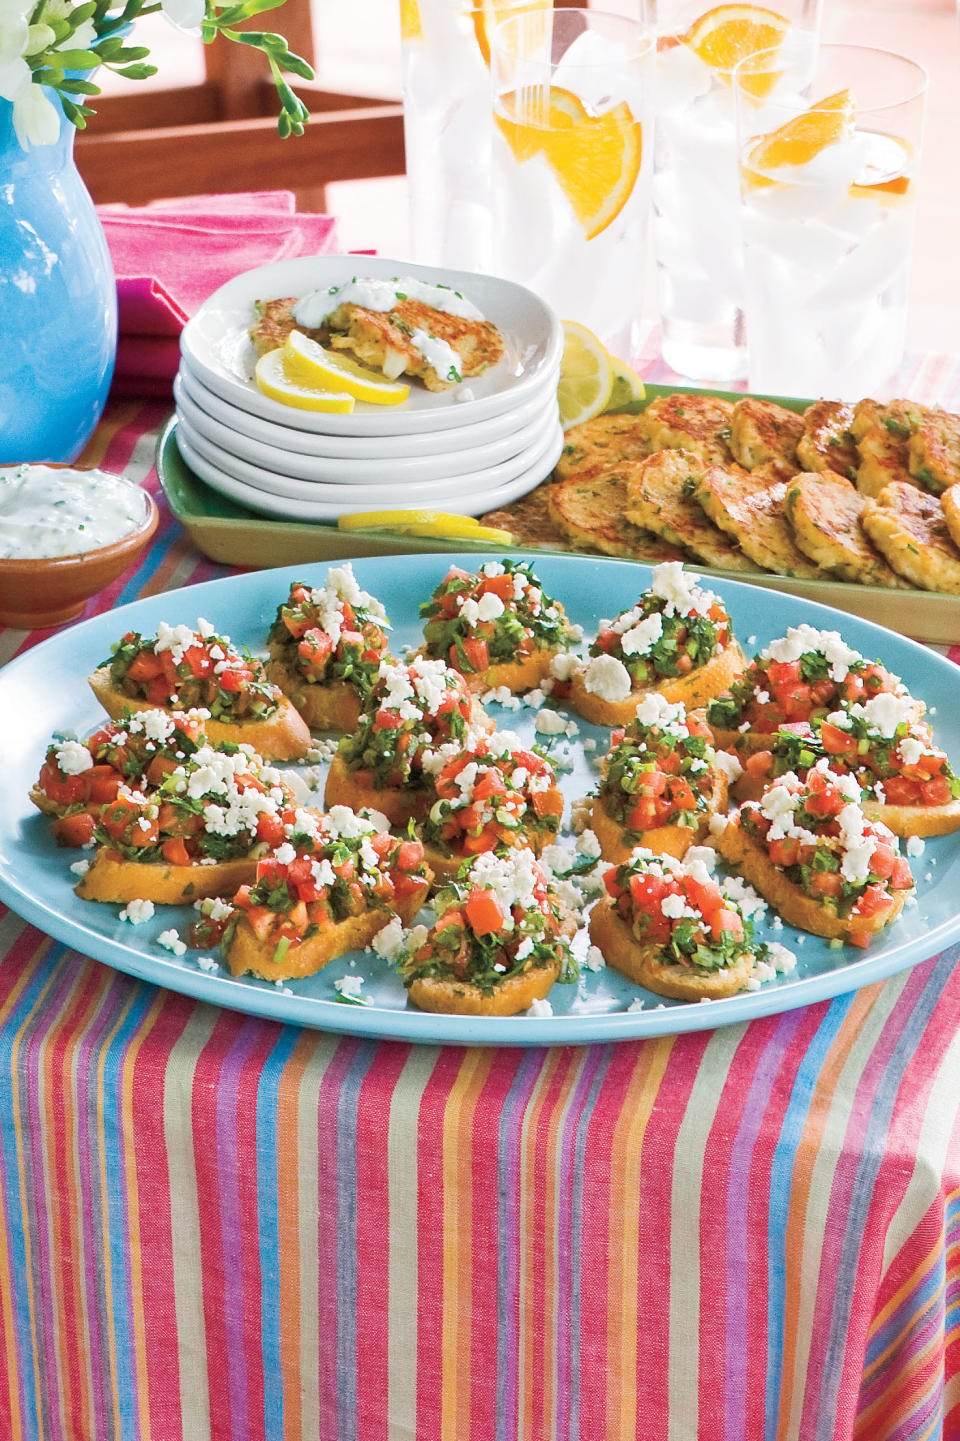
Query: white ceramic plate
[357, 447]
[391, 485]
[218, 348]
[410, 469]
[457, 502]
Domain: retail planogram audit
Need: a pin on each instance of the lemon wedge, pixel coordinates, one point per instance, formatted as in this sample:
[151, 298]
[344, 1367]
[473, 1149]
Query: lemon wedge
[586, 376]
[627, 385]
[273, 380]
[306, 361]
[424, 522]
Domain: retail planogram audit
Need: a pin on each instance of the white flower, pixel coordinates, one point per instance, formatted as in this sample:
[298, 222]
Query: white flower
[185, 14]
[35, 117]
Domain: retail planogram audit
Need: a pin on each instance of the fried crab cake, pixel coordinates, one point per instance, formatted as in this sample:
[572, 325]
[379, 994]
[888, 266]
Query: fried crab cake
[391, 340]
[933, 452]
[885, 446]
[824, 510]
[866, 414]
[750, 508]
[589, 511]
[604, 441]
[950, 500]
[274, 323]
[529, 520]
[694, 422]
[909, 526]
[827, 442]
[762, 431]
[660, 499]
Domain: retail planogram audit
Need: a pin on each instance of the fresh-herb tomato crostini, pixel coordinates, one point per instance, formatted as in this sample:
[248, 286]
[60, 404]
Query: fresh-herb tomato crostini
[326, 645]
[411, 712]
[196, 832]
[906, 779]
[802, 675]
[660, 783]
[675, 930]
[676, 640]
[500, 941]
[183, 669]
[333, 883]
[79, 778]
[497, 627]
[812, 853]
[494, 794]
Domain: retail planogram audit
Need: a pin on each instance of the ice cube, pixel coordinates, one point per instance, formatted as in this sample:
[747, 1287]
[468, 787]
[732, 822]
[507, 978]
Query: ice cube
[682, 78]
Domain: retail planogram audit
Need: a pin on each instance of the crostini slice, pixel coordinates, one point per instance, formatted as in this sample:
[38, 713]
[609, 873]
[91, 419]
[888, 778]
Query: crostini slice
[329, 888]
[198, 832]
[325, 646]
[411, 713]
[675, 931]
[906, 779]
[800, 675]
[676, 640]
[184, 669]
[500, 941]
[78, 778]
[810, 851]
[493, 795]
[496, 627]
[660, 784]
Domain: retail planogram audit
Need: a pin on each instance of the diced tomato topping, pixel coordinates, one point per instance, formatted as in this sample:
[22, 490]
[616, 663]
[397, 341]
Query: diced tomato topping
[548, 803]
[232, 680]
[860, 938]
[901, 792]
[158, 690]
[269, 828]
[836, 741]
[726, 921]
[499, 585]
[484, 913]
[826, 883]
[874, 899]
[175, 851]
[144, 667]
[75, 830]
[63, 790]
[901, 877]
[785, 852]
[759, 764]
[314, 651]
[476, 653]
[936, 792]
[783, 672]
[643, 817]
[882, 861]
[387, 720]
[610, 881]
[101, 784]
[409, 855]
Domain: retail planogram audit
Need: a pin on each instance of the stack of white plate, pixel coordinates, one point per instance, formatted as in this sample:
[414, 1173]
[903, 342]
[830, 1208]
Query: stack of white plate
[469, 449]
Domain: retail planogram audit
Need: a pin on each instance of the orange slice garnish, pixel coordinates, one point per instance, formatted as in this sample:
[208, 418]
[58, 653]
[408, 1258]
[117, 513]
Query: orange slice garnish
[411, 27]
[487, 15]
[595, 158]
[803, 138]
[728, 34]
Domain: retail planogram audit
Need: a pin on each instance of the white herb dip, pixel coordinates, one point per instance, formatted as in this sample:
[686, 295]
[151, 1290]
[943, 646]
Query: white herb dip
[48, 512]
[312, 310]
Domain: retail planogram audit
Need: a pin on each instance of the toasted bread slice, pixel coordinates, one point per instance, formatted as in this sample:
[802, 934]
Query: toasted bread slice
[445, 867]
[590, 512]
[112, 877]
[461, 998]
[908, 525]
[748, 507]
[333, 706]
[794, 905]
[517, 675]
[695, 689]
[950, 500]
[659, 499]
[358, 788]
[664, 840]
[827, 442]
[528, 520]
[915, 820]
[246, 954]
[694, 422]
[645, 965]
[284, 736]
[762, 431]
[933, 452]
[824, 511]
[603, 444]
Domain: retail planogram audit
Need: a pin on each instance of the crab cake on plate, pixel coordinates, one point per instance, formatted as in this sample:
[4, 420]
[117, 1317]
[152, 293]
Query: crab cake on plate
[660, 498]
[692, 421]
[762, 431]
[824, 510]
[950, 500]
[528, 520]
[910, 527]
[604, 441]
[747, 506]
[827, 442]
[274, 323]
[884, 446]
[866, 414]
[933, 452]
[589, 511]
[413, 338]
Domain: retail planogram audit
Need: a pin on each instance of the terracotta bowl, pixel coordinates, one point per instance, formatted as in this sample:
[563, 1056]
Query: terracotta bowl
[38, 594]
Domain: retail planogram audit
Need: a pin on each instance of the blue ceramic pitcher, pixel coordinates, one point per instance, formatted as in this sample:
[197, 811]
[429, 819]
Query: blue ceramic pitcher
[58, 301]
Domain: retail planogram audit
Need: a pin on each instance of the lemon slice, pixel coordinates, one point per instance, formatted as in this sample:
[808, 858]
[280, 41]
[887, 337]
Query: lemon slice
[423, 522]
[273, 380]
[586, 376]
[308, 362]
[627, 385]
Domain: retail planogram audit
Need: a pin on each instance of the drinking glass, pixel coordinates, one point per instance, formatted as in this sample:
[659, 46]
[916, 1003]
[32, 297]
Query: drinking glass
[570, 163]
[828, 165]
[696, 195]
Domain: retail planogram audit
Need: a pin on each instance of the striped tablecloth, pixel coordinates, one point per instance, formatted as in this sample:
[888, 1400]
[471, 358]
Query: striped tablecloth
[215, 1225]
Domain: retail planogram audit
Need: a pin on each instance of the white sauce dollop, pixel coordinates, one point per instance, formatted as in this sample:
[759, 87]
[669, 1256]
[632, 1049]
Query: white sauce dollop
[312, 310]
[47, 512]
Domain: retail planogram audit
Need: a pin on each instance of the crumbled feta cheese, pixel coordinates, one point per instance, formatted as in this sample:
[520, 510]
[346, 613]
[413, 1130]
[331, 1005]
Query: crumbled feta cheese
[589, 744]
[589, 846]
[915, 846]
[563, 665]
[550, 723]
[388, 942]
[727, 763]
[608, 678]
[593, 961]
[171, 942]
[540, 1008]
[636, 1005]
[350, 987]
[490, 606]
[803, 638]
[73, 758]
[524, 949]
[782, 959]
[80, 868]
[641, 638]
[136, 912]
[910, 750]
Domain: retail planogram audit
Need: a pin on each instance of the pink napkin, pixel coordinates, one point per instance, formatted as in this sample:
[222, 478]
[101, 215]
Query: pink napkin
[171, 255]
